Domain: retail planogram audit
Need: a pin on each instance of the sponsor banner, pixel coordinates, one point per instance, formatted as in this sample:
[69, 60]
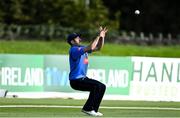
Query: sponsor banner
[132, 78]
[114, 72]
[156, 79]
[21, 72]
[56, 73]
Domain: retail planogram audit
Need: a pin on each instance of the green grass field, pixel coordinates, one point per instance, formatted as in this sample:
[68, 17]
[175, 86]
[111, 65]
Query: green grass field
[56, 108]
[57, 47]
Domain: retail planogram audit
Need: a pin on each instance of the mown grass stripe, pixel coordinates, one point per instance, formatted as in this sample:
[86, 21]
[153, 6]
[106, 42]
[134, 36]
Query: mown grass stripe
[103, 107]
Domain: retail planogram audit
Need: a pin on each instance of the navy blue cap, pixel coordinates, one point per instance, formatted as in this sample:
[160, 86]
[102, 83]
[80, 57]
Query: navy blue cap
[72, 37]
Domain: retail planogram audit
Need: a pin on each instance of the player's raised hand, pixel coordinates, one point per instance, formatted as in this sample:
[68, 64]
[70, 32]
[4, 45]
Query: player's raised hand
[103, 31]
[100, 28]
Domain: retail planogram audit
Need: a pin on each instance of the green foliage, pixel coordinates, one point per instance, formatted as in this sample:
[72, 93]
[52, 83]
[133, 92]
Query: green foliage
[66, 13]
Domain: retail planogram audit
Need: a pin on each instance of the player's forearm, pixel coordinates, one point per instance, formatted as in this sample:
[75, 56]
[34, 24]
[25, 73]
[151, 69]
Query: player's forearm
[101, 39]
[93, 45]
[100, 43]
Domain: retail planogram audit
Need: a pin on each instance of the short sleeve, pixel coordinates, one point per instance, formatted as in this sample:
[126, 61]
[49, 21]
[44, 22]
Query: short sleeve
[75, 52]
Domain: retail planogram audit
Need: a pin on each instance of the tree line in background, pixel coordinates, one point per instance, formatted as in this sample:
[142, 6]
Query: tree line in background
[56, 18]
[83, 14]
[52, 19]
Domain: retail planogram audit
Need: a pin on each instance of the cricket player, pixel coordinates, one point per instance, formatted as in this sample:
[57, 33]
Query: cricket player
[78, 58]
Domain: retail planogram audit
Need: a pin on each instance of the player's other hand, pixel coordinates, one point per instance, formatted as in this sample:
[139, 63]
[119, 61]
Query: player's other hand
[102, 31]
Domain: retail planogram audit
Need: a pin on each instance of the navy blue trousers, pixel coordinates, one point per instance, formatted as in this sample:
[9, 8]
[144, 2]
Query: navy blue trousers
[96, 89]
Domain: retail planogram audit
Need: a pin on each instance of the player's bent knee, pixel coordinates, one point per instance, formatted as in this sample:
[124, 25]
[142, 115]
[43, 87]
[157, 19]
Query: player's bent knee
[103, 87]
